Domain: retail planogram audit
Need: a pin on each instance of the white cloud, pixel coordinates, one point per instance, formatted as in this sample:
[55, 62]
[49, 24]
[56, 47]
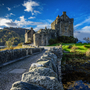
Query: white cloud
[3, 21]
[42, 26]
[85, 21]
[7, 22]
[8, 15]
[1, 28]
[50, 20]
[85, 29]
[81, 35]
[31, 17]
[23, 22]
[47, 23]
[36, 12]
[2, 4]
[29, 5]
[8, 8]
[16, 6]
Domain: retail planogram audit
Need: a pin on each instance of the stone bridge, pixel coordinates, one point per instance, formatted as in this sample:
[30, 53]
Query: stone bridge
[13, 72]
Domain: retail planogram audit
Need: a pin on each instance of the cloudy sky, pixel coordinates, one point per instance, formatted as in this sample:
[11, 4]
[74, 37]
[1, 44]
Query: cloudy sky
[40, 13]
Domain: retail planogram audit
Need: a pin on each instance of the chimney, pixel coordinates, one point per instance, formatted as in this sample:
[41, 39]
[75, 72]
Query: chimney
[31, 29]
[64, 13]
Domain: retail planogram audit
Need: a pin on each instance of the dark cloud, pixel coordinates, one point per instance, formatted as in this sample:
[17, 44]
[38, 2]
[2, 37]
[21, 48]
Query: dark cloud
[11, 24]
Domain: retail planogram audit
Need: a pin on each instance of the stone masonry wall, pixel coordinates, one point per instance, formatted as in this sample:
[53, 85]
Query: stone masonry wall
[44, 74]
[9, 55]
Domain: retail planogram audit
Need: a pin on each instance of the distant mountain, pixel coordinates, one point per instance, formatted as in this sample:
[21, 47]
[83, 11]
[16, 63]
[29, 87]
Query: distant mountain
[16, 35]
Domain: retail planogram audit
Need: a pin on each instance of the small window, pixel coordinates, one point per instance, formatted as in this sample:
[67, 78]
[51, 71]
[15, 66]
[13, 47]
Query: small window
[65, 28]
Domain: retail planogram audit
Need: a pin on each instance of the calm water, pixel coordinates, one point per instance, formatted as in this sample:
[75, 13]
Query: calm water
[2, 47]
[79, 85]
[76, 81]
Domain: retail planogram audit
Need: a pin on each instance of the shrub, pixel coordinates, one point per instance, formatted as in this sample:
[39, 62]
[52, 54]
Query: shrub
[87, 46]
[70, 46]
[20, 44]
[12, 48]
[84, 46]
[9, 44]
[73, 49]
[52, 41]
[88, 53]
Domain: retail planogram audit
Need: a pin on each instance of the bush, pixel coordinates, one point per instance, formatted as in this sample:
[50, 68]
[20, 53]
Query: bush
[20, 44]
[52, 41]
[88, 53]
[12, 48]
[84, 46]
[9, 44]
[70, 46]
[73, 49]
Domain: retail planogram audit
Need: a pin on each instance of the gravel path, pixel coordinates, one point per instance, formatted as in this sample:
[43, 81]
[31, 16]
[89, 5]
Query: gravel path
[7, 78]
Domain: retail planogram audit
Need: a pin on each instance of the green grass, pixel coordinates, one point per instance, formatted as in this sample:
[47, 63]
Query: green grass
[81, 47]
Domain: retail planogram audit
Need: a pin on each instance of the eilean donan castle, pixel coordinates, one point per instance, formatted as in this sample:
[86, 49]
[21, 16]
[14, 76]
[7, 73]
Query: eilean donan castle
[62, 26]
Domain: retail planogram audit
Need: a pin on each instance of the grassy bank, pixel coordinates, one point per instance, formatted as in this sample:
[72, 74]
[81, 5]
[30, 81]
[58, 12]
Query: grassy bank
[76, 47]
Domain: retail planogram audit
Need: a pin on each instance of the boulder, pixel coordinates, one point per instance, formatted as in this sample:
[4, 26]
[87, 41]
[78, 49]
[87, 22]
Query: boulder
[35, 65]
[50, 83]
[25, 86]
[42, 71]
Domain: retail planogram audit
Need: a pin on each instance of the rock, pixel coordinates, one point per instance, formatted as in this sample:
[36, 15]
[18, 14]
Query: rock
[47, 64]
[68, 67]
[25, 86]
[57, 52]
[50, 83]
[52, 59]
[35, 65]
[42, 71]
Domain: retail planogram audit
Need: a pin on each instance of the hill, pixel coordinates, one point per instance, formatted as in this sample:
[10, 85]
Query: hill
[16, 35]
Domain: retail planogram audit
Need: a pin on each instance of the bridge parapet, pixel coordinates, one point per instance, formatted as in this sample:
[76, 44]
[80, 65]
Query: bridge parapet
[45, 73]
[10, 55]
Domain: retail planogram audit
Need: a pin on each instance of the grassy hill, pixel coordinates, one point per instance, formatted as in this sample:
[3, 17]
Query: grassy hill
[16, 35]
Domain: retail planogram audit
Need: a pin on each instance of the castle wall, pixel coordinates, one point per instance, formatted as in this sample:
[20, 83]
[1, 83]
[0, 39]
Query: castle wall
[66, 29]
[36, 39]
[62, 26]
[29, 35]
[41, 39]
[26, 37]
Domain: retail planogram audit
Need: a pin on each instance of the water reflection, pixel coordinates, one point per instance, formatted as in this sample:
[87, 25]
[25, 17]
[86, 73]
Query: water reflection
[79, 85]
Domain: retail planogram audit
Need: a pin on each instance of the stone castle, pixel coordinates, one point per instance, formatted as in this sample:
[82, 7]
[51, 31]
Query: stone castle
[62, 26]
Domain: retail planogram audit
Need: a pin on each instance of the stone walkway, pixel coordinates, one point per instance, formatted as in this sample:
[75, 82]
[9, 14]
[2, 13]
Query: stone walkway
[13, 72]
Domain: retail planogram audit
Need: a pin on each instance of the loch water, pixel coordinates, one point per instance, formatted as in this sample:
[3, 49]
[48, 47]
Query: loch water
[76, 81]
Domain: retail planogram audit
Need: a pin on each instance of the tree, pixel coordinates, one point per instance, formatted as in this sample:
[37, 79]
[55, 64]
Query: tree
[87, 39]
[9, 44]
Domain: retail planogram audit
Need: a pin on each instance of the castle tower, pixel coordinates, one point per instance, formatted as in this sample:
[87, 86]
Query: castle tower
[64, 15]
[63, 25]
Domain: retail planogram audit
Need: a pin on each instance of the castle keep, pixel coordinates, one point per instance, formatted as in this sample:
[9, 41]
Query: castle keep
[62, 26]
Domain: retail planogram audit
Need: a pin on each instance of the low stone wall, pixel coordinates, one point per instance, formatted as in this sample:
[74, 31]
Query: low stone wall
[43, 75]
[9, 55]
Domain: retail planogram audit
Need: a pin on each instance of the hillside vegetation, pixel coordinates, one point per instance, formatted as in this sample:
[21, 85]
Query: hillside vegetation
[15, 35]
